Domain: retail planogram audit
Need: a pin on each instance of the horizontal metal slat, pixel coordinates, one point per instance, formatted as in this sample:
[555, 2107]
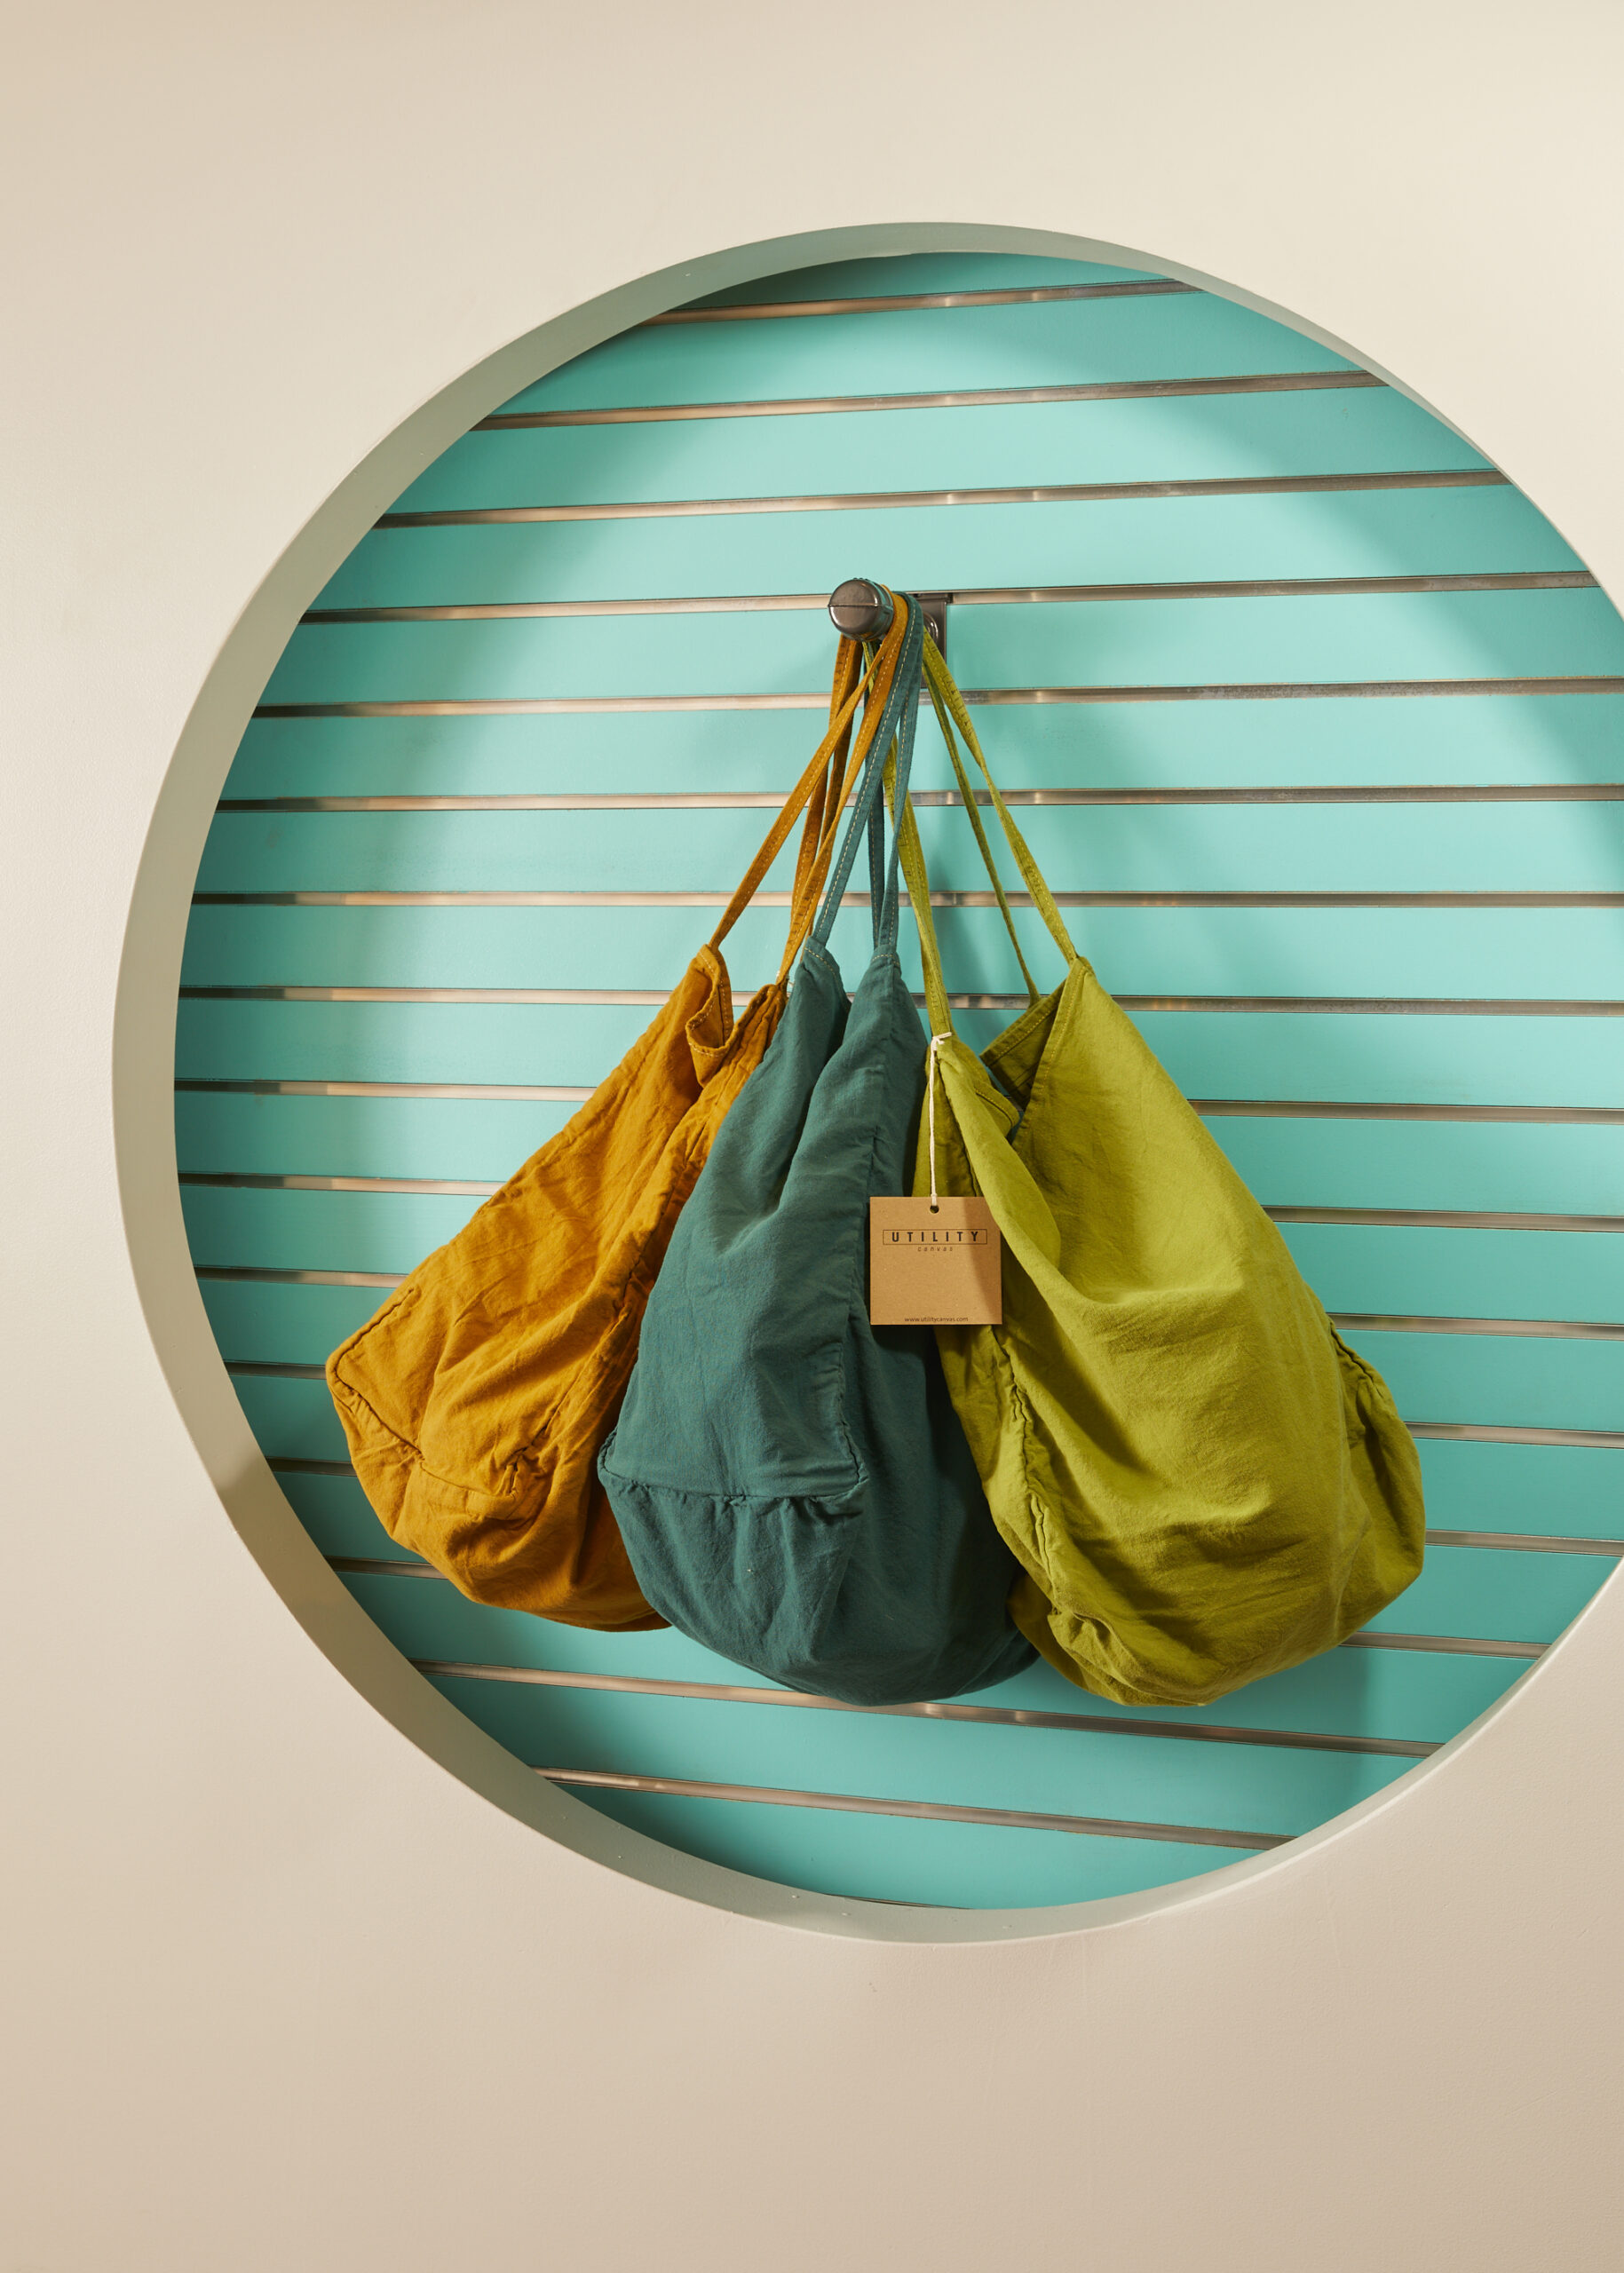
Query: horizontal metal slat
[914, 429]
[1485, 529]
[266, 1275]
[1075, 493]
[582, 997]
[367, 1566]
[494, 1092]
[922, 1811]
[938, 900]
[1567, 793]
[1545, 1329]
[1535, 580]
[1482, 1432]
[870, 347]
[1441, 1432]
[1398, 1218]
[1450, 1219]
[951, 399]
[1440, 1644]
[1557, 1171]
[1527, 1542]
[605, 705]
[991, 1715]
[1489, 743]
[446, 1187]
[1429, 1288]
[1335, 1109]
[1143, 955]
[1525, 1383]
[1356, 1006]
[1209, 1108]
[1528, 636]
[891, 303]
[1447, 1644]
[1281, 845]
[588, 997]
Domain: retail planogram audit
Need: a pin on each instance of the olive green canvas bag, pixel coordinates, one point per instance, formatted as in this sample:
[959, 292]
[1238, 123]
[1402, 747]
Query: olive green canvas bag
[1201, 1483]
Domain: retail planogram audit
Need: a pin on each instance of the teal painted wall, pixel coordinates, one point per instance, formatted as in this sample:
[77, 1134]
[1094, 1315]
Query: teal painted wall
[1400, 1006]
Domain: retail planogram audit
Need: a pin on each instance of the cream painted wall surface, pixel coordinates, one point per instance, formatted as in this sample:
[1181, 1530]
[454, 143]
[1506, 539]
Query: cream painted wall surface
[281, 1991]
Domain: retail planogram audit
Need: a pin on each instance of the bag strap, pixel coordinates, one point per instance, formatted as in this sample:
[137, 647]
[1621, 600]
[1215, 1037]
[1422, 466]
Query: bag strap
[888, 749]
[938, 1008]
[949, 705]
[821, 791]
[968, 797]
[840, 784]
[848, 675]
[966, 792]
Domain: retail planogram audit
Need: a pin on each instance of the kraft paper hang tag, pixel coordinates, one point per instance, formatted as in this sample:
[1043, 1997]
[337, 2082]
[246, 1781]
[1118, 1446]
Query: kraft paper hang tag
[938, 1265]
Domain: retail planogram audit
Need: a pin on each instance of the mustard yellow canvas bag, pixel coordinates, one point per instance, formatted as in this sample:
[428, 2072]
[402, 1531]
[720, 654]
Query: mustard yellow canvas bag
[1201, 1483]
[476, 1399]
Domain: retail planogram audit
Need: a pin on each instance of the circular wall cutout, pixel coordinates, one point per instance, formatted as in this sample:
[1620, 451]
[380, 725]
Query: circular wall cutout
[1326, 740]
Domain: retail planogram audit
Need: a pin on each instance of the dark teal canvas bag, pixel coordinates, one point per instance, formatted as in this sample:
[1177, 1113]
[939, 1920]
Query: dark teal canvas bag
[792, 1484]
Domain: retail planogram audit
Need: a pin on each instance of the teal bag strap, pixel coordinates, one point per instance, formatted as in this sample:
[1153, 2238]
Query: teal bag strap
[893, 738]
[883, 883]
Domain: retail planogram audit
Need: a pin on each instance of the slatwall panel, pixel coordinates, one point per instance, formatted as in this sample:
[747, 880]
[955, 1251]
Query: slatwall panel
[1315, 721]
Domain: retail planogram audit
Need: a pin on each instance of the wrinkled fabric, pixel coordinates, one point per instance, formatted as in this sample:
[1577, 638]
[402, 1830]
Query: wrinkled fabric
[476, 1399]
[791, 1482]
[1201, 1482]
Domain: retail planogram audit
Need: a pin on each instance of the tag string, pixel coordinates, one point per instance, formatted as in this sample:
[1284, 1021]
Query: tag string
[936, 1041]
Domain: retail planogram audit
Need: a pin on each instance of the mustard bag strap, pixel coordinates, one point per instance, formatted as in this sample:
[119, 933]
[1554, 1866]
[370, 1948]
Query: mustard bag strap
[821, 791]
[848, 669]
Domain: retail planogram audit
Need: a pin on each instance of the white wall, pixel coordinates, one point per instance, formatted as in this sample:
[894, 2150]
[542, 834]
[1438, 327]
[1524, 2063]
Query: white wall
[280, 1992]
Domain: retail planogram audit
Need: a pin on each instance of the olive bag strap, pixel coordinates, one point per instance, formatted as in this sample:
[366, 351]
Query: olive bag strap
[950, 712]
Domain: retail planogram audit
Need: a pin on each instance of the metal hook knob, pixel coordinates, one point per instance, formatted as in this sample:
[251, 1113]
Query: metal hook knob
[864, 610]
[859, 609]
